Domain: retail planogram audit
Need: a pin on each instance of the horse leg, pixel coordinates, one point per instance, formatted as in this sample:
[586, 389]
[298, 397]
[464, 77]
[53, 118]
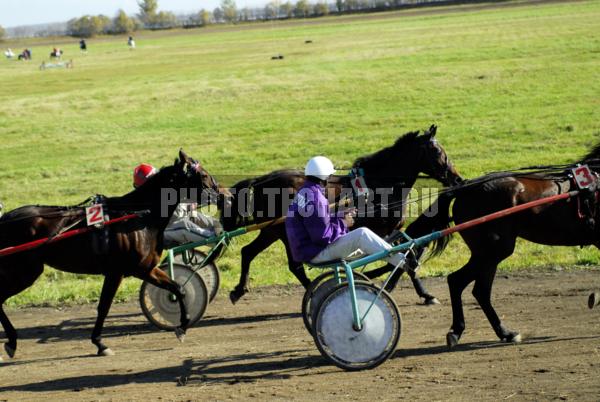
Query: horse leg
[297, 268]
[13, 285]
[109, 289]
[393, 282]
[482, 291]
[11, 333]
[265, 238]
[159, 278]
[429, 299]
[457, 282]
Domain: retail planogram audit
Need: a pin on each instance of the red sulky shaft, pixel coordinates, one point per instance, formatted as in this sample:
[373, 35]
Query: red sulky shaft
[46, 240]
[509, 211]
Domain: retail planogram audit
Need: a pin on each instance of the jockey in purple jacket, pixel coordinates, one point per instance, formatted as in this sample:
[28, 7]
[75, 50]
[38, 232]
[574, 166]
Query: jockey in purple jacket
[315, 234]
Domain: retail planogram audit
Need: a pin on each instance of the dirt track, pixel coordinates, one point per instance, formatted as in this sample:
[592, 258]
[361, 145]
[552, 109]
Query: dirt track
[260, 349]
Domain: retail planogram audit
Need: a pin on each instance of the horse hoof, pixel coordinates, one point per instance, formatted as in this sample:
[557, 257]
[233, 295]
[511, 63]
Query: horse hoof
[512, 337]
[180, 334]
[234, 297]
[9, 350]
[451, 339]
[106, 352]
[593, 300]
[431, 301]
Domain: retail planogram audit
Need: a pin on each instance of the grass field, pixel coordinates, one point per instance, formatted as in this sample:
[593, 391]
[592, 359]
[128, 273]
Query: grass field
[508, 87]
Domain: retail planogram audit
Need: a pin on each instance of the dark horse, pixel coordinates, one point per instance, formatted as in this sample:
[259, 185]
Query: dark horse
[129, 248]
[395, 168]
[559, 223]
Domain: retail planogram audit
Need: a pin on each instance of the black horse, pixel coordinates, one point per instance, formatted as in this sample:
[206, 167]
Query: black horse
[394, 168]
[566, 223]
[128, 248]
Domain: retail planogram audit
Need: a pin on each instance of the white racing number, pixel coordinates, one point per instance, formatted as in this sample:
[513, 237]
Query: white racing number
[583, 176]
[94, 215]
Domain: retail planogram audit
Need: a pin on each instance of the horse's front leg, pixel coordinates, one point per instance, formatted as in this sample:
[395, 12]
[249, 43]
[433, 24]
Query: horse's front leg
[109, 289]
[159, 278]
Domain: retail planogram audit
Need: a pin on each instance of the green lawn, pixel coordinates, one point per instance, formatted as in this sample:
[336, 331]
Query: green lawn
[507, 88]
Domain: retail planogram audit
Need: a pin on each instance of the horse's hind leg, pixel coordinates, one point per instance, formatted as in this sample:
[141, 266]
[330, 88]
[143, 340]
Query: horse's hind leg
[265, 238]
[109, 289]
[297, 268]
[13, 280]
[482, 291]
[11, 346]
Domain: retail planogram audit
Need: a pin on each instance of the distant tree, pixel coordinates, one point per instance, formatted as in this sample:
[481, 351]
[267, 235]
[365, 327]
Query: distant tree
[88, 26]
[351, 4]
[230, 13]
[218, 15]
[205, 17]
[165, 19]
[302, 9]
[272, 10]
[364, 4]
[101, 24]
[339, 5]
[382, 4]
[148, 12]
[287, 9]
[246, 14]
[321, 8]
[2, 33]
[122, 23]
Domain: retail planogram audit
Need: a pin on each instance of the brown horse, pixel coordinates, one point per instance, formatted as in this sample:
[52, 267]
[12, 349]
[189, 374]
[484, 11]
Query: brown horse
[566, 223]
[394, 168]
[129, 248]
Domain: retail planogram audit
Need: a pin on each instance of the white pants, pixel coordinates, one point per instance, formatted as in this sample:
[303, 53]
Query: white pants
[362, 239]
[187, 230]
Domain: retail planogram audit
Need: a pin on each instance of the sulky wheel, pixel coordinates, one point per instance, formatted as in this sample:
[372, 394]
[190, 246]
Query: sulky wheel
[347, 348]
[319, 288]
[161, 308]
[209, 272]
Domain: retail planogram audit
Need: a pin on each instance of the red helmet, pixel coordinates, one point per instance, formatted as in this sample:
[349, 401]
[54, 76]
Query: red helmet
[141, 173]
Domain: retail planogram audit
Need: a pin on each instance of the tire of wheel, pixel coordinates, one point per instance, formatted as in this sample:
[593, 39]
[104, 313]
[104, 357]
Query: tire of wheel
[347, 348]
[163, 312]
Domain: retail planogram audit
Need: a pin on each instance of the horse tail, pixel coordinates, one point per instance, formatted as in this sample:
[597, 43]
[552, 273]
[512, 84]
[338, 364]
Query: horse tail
[435, 218]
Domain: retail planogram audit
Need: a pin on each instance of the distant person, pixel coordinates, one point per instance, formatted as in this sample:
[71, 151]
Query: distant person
[25, 55]
[9, 53]
[56, 53]
[83, 46]
[131, 43]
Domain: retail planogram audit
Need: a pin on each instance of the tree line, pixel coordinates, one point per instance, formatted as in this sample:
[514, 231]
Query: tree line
[149, 17]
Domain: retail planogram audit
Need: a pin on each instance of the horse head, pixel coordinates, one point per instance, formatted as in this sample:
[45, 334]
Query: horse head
[198, 177]
[432, 159]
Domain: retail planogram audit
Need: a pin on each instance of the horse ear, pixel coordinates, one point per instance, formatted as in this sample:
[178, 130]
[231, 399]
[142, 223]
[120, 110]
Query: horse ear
[183, 156]
[431, 132]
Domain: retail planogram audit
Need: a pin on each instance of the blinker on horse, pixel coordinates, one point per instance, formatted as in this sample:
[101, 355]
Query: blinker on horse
[129, 248]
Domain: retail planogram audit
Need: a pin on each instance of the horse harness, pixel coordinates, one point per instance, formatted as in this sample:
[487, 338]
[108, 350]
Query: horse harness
[588, 200]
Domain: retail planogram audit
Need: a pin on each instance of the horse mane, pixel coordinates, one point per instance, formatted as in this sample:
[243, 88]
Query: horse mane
[236, 220]
[380, 158]
[593, 155]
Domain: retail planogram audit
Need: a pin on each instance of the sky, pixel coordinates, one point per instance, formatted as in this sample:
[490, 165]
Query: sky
[29, 12]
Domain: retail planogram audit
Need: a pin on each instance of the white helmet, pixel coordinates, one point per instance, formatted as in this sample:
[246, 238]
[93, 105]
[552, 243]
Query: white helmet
[320, 167]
